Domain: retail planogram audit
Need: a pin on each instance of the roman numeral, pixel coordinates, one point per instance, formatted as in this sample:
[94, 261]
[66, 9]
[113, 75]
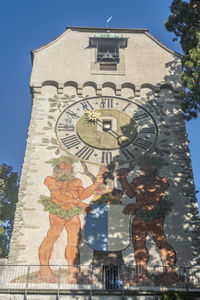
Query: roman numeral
[84, 153]
[150, 108]
[106, 103]
[126, 107]
[128, 154]
[140, 116]
[72, 114]
[148, 130]
[142, 143]
[86, 105]
[70, 141]
[64, 127]
[106, 157]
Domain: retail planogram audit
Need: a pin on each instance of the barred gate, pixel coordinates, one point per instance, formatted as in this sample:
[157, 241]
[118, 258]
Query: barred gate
[110, 277]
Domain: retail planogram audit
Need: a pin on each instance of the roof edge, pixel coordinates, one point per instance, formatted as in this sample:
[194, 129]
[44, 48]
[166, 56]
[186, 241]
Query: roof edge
[162, 44]
[49, 43]
[88, 29]
[103, 29]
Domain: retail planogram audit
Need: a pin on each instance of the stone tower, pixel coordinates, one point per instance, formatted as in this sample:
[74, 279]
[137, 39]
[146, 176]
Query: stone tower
[107, 178]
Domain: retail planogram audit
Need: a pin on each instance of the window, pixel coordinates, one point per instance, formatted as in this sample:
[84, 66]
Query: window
[108, 52]
[107, 56]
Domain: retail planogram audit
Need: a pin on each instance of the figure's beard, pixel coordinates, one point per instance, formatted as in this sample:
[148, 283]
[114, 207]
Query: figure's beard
[149, 177]
[150, 174]
[61, 175]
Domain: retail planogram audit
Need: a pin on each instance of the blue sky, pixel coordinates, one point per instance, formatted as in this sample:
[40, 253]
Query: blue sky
[26, 25]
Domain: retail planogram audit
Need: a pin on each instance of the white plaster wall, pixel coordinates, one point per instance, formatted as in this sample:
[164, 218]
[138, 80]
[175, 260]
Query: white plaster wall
[69, 58]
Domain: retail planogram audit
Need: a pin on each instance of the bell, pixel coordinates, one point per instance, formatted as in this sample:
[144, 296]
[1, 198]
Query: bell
[107, 55]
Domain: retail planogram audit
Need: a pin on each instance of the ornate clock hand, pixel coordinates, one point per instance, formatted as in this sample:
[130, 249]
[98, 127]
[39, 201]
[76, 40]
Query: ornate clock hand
[122, 139]
[107, 130]
[93, 117]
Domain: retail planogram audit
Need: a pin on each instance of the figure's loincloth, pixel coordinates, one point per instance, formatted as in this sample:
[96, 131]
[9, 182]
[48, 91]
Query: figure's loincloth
[55, 208]
[161, 209]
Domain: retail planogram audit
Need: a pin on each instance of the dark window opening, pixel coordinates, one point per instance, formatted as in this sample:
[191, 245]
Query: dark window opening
[108, 53]
[108, 45]
[110, 276]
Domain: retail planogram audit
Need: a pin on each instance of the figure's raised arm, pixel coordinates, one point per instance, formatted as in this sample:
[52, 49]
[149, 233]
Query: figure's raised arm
[85, 193]
[162, 185]
[127, 187]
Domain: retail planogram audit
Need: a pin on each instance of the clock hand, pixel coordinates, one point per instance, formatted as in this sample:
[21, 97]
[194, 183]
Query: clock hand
[121, 139]
[108, 130]
[93, 117]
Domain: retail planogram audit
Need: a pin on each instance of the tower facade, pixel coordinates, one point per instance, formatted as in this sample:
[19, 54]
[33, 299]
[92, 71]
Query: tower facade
[107, 178]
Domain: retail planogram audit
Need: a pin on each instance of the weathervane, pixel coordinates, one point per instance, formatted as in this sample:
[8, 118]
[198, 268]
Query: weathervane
[107, 21]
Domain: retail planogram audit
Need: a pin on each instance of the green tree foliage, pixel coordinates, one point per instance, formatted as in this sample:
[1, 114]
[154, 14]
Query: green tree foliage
[178, 296]
[184, 22]
[8, 200]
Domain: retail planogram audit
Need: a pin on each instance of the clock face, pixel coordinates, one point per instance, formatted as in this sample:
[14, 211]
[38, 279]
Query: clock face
[103, 130]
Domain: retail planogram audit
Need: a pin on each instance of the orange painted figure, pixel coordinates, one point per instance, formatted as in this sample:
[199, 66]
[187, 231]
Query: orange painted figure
[67, 191]
[148, 189]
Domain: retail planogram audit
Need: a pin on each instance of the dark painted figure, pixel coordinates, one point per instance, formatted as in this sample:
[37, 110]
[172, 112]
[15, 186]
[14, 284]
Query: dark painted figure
[149, 211]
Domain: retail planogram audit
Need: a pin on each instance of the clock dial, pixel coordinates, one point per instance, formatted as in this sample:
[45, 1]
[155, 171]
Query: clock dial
[117, 130]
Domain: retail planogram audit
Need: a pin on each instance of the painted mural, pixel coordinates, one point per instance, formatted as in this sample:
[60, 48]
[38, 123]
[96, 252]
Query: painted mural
[107, 219]
[149, 212]
[64, 206]
[110, 224]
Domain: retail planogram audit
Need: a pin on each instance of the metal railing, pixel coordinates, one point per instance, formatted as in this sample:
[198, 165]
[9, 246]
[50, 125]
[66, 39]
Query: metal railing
[16, 278]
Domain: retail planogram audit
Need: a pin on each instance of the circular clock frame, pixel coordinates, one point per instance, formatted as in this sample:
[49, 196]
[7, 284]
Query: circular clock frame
[100, 146]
